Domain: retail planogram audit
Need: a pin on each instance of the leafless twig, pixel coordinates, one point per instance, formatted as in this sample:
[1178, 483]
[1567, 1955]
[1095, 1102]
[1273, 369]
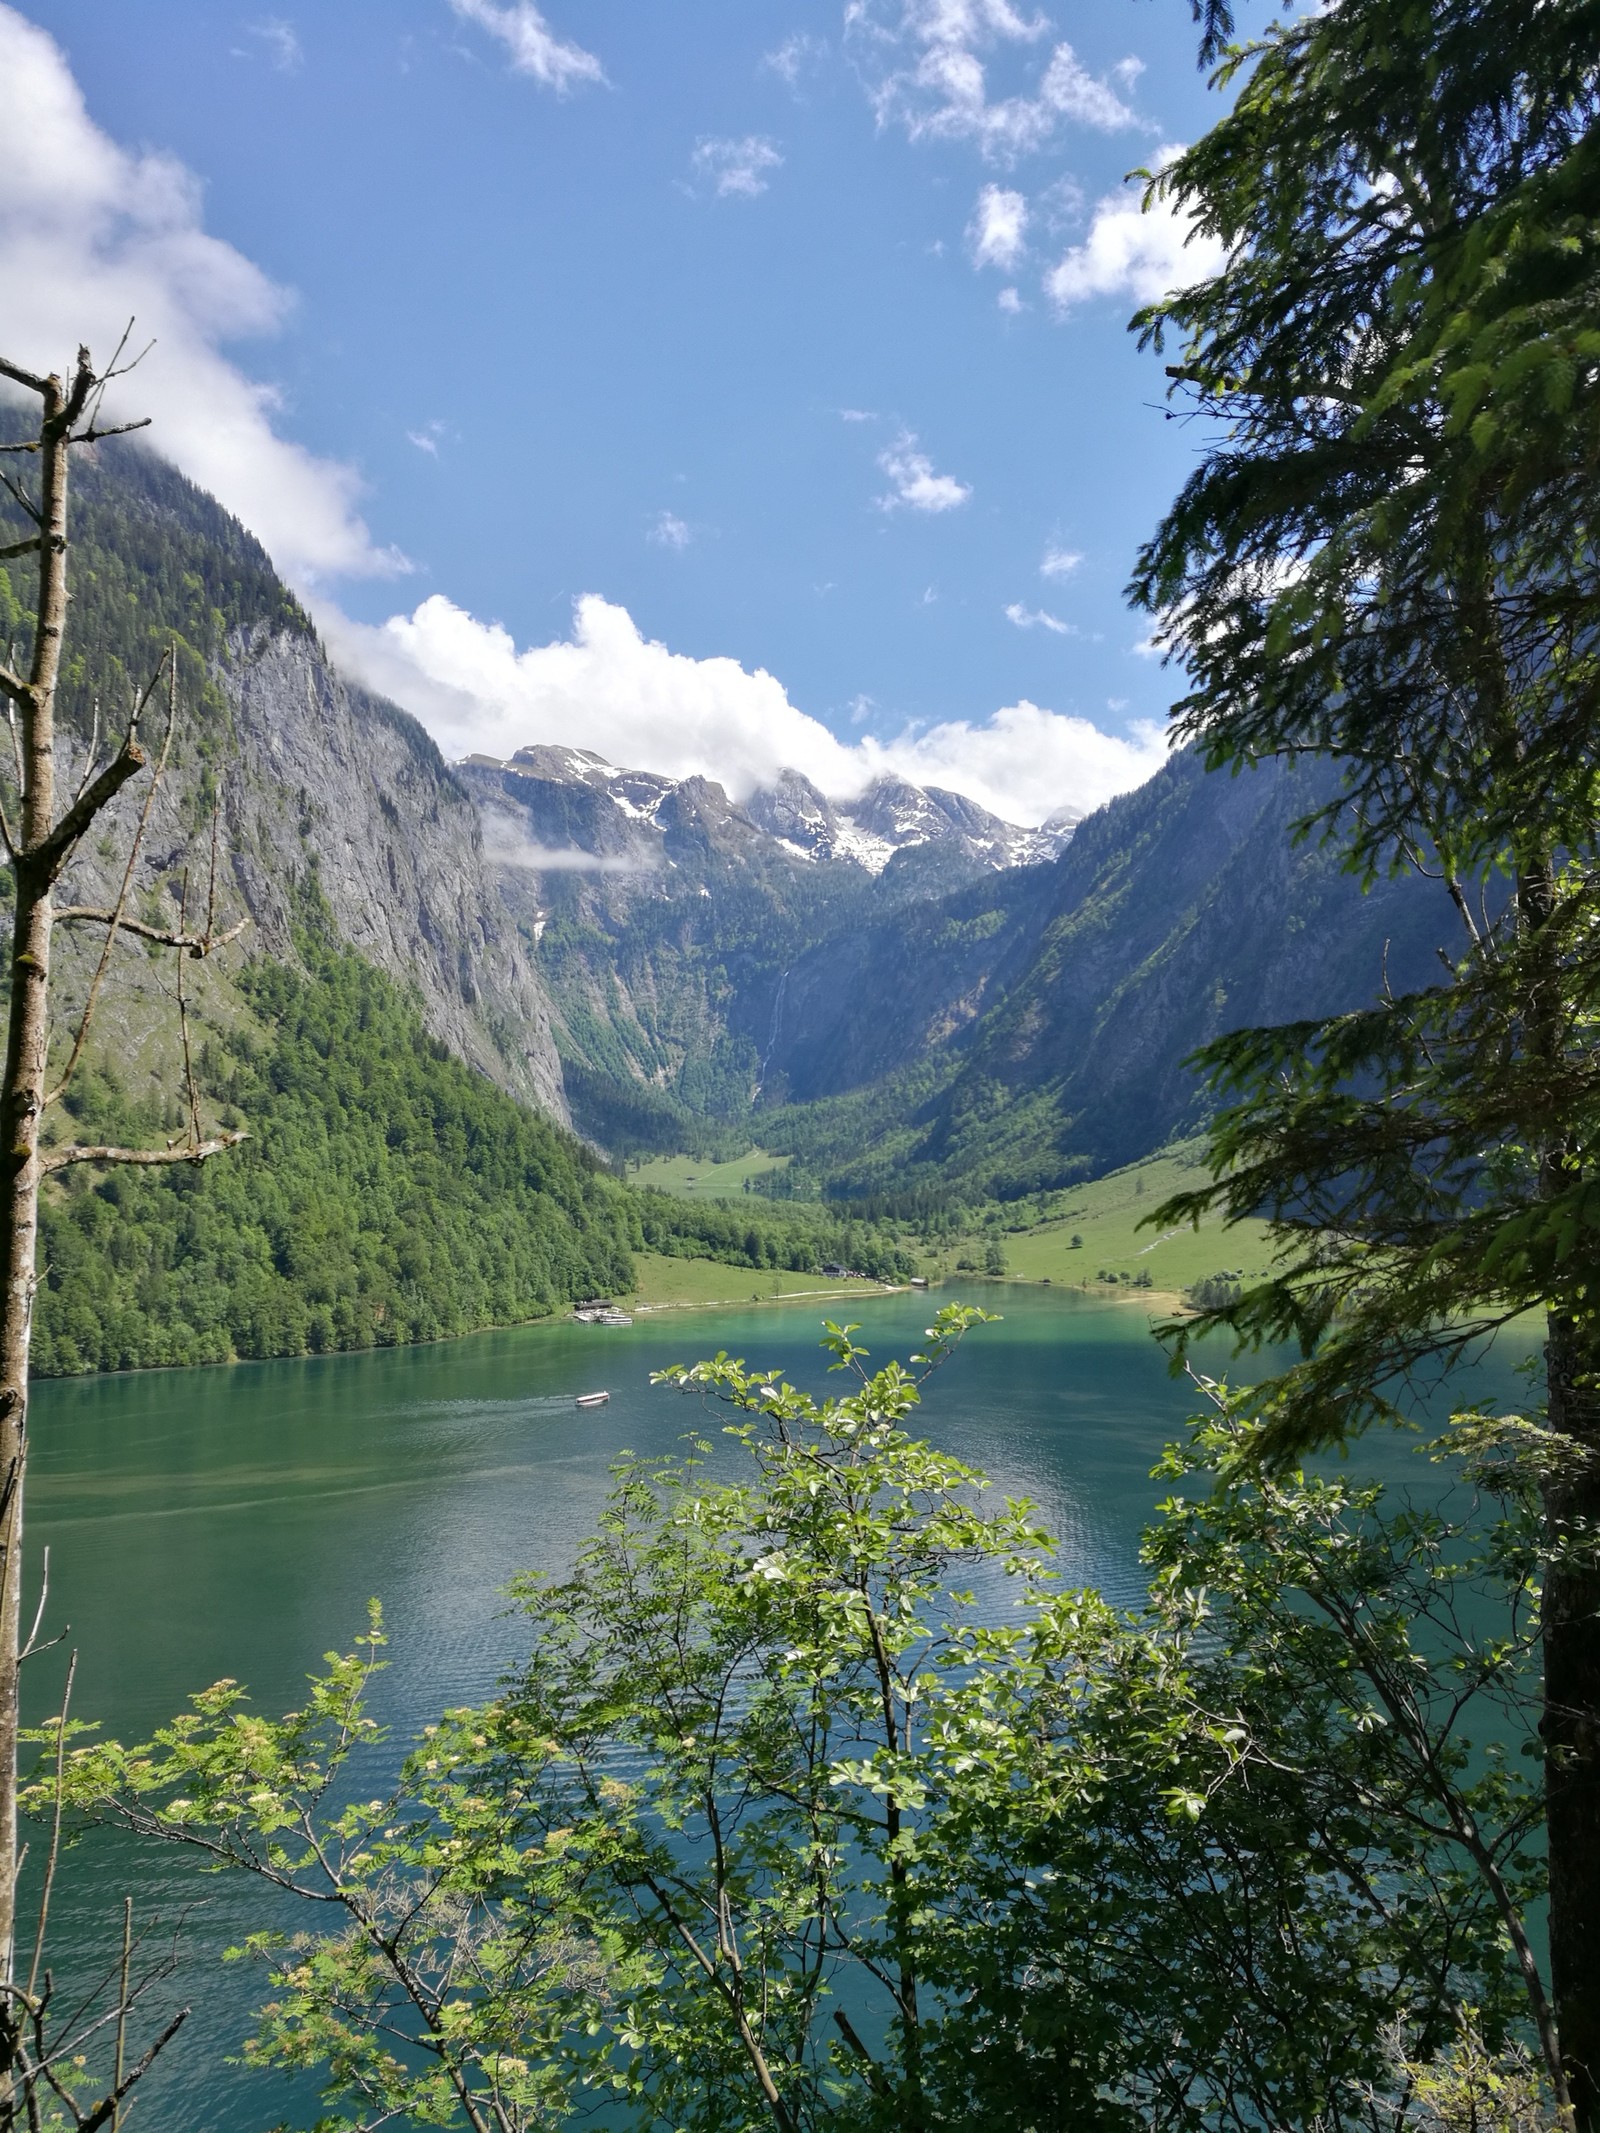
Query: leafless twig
[170, 662]
[55, 1830]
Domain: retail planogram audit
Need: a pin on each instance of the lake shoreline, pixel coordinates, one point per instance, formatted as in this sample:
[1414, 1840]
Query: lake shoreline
[1166, 1302]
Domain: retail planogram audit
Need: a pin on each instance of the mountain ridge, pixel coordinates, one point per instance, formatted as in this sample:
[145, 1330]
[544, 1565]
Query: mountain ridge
[952, 1007]
[889, 815]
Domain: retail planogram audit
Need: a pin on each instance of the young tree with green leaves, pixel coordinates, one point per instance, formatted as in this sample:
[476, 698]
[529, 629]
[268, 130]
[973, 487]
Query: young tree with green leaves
[819, 1803]
[1386, 559]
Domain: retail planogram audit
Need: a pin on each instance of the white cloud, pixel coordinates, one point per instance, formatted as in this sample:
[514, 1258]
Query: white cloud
[91, 236]
[736, 168]
[795, 57]
[925, 66]
[281, 44]
[671, 532]
[1059, 562]
[997, 233]
[427, 438]
[1060, 207]
[857, 414]
[635, 702]
[534, 47]
[1133, 254]
[1028, 618]
[1010, 300]
[507, 843]
[913, 481]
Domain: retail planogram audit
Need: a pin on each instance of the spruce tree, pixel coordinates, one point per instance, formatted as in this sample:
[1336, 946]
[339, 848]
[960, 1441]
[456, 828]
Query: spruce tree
[1385, 557]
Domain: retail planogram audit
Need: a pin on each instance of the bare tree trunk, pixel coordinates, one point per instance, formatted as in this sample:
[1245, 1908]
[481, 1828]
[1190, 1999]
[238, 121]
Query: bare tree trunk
[1571, 1724]
[38, 845]
[23, 1092]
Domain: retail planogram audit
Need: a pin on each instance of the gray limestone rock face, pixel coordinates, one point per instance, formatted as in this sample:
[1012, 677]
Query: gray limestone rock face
[360, 787]
[320, 779]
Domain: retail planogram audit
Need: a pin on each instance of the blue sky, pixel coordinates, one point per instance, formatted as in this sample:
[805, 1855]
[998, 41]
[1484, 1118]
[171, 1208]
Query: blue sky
[790, 333]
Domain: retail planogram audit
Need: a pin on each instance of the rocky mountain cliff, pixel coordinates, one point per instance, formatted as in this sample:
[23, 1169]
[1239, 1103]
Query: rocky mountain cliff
[664, 915]
[899, 990]
[1036, 1025]
[319, 782]
[888, 819]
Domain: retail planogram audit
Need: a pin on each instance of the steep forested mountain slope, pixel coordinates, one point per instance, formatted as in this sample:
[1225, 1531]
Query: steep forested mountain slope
[665, 917]
[883, 990]
[1034, 1025]
[315, 775]
[387, 1192]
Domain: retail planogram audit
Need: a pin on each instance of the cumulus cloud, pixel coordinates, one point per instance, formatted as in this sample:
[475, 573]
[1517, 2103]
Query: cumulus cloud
[533, 47]
[997, 233]
[925, 66]
[736, 169]
[91, 236]
[1133, 254]
[1036, 618]
[912, 481]
[608, 688]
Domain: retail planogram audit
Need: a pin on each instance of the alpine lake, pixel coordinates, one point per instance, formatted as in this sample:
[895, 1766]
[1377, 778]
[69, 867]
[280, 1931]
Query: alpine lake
[236, 1521]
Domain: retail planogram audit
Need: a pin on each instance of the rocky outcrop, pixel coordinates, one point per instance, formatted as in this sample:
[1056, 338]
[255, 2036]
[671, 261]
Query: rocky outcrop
[1060, 1005]
[333, 777]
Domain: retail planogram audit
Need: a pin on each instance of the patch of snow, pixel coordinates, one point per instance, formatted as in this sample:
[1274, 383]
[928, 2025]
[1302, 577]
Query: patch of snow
[867, 850]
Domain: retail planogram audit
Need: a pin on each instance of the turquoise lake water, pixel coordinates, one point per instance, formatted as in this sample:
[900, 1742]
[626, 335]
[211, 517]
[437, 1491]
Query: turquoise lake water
[235, 1522]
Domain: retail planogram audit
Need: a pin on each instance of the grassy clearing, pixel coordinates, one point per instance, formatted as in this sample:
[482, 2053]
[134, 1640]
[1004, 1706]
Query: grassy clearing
[1035, 1237]
[694, 1177]
[660, 1281]
[1106, 1216]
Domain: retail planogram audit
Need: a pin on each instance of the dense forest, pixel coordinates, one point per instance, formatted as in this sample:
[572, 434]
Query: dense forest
[387, 1193]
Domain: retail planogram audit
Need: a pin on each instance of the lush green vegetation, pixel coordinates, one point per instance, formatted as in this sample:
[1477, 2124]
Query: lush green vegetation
[1386, 559]
[387, 1194]
[782, 1825]
[661, 1282]
[756, 1234]
[700, 1178]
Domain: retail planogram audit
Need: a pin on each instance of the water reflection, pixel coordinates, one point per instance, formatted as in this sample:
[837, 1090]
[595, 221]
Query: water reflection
[235, 1522]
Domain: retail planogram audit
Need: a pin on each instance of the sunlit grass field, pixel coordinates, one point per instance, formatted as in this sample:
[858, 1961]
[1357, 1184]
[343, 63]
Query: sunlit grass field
[695, 1177]
[1035, 1238]
[1107, 1216]
[661, 1281]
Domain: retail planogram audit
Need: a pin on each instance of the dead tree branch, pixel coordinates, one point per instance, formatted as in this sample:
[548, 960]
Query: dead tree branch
[170, 662]
[61, 1158]
[195, 945]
